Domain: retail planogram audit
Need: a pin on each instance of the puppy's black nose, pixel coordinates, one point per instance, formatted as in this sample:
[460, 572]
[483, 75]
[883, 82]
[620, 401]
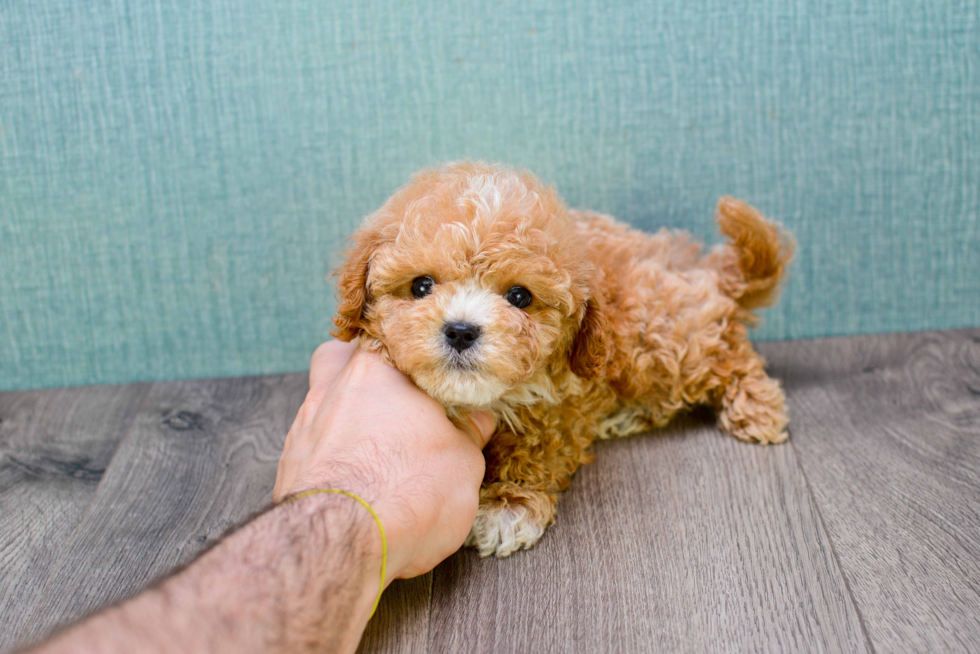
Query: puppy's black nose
[461, 335]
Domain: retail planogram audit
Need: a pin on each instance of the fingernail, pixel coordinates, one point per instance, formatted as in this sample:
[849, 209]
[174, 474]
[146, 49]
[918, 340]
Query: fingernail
[485, 422]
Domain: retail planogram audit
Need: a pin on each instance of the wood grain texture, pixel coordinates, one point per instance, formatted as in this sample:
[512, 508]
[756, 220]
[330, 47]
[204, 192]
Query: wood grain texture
[54, 448]
[682, 541]
[401, 624]
[200, 457]
[888, 434]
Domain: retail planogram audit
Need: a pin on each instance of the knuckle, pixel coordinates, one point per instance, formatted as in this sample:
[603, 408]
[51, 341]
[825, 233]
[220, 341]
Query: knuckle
[327, 350]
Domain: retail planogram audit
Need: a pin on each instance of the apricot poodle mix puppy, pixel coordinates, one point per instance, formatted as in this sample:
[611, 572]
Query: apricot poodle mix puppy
[478, 282]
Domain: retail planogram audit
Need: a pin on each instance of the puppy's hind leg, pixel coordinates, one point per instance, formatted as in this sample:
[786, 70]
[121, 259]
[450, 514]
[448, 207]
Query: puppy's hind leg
[750, 404]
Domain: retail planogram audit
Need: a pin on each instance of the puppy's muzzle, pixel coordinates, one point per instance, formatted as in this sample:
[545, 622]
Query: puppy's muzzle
[461, 335]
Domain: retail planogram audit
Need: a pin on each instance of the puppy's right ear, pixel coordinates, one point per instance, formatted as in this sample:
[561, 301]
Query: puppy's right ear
[352, 291]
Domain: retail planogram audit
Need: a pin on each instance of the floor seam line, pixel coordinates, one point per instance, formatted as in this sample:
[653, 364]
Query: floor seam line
[833, 549]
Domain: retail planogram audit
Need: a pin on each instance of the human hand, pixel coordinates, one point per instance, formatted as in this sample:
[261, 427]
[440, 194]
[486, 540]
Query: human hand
[366, 428]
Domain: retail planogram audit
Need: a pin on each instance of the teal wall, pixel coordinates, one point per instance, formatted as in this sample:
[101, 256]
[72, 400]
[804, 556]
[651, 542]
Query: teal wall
[176, 175]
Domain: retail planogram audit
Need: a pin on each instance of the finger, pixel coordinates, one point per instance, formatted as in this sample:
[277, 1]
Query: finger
[328, 360]
[484, 425]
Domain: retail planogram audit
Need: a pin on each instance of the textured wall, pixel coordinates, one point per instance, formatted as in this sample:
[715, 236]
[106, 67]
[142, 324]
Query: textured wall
[175, 176]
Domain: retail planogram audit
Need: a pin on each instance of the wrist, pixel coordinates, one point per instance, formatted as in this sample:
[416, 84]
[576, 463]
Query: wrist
[379, 497]
[338, 535]
[303, 573]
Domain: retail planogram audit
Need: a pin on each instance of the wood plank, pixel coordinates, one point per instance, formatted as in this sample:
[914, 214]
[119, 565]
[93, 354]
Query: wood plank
[54, 448]
[402, 622]
[888, 434]
[200, 457]
[683, 541]
[687, 540]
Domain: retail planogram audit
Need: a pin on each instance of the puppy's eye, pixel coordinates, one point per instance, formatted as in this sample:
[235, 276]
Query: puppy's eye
[422, 286]
[519, 296]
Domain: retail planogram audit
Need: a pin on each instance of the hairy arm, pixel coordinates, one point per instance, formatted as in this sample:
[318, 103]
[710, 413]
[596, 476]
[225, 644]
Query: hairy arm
[299, 578]
[302, 577]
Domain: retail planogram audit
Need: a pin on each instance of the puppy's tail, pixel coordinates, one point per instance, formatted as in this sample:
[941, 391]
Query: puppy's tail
[754, 261]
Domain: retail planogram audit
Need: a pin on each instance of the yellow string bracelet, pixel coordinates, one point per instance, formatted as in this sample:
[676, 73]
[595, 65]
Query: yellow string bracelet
[377, 520]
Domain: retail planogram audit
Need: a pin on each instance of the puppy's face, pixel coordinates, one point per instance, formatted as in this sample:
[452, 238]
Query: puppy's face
[471, 279]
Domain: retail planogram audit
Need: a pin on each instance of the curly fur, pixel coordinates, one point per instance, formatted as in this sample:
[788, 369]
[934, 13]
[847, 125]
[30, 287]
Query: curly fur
[625, 329]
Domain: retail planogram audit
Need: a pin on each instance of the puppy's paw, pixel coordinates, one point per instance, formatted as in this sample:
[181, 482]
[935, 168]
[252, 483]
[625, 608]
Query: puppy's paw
[769, 431]
[503, 529]
[755, 411]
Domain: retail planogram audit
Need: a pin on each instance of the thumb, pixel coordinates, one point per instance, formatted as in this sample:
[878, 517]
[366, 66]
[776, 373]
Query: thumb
[484, 425]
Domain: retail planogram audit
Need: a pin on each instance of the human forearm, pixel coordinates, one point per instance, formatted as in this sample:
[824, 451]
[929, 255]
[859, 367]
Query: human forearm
[301, 577]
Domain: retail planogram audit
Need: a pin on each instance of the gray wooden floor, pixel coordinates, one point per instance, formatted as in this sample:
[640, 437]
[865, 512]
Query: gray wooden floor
[861, 533]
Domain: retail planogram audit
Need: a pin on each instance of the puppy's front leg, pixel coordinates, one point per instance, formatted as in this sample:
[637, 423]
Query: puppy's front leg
[525, 475]
[511, 517]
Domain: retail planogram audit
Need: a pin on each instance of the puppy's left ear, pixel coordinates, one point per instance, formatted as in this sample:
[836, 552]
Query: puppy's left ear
[590, 349]
[352, 293]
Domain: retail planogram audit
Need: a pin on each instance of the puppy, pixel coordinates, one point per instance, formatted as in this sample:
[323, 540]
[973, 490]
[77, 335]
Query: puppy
[477, 282]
